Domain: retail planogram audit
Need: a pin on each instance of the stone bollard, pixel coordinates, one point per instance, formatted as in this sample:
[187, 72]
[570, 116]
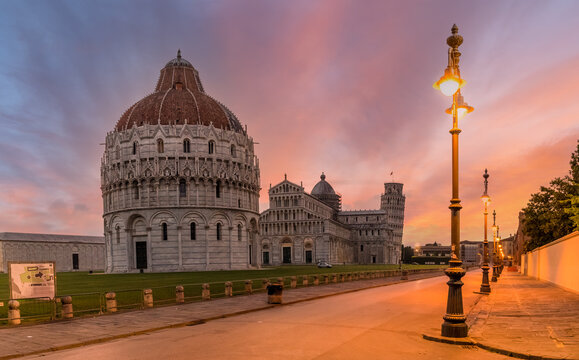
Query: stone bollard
[148, 298]
[248, 286]
[111, 301]
[404, 275]
[179, 294]
[228, 288]
[67, 311]
[305, 281]
[294, 282]
[349, 277]
[205, 292]
[326, 279]
[274, 293]
[266, 283]
[342, 277]
[14, 312]
[334, 278]
[316, 280]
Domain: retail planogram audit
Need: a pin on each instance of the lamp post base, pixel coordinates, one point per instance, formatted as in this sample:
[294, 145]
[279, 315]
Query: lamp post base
[494, 279]
[485, 287]
[454, 324]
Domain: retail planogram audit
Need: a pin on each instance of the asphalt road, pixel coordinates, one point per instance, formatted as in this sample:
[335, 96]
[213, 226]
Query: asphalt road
[381, 323]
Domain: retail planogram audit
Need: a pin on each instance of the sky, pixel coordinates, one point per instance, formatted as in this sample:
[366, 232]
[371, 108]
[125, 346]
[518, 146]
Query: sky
[343, 87]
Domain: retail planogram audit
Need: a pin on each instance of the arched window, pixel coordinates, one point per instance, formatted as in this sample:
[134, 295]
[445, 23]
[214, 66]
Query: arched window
[182, 188]
[239, 232]
[186, 146]
[218, 189]
[118, 152]
[193, 231]
[136, 190]
[164, 230]
[118, 235]
[361, 247]
[135, 144]
[233, 152]
[211, 147]
[160, 146]
[218, 231]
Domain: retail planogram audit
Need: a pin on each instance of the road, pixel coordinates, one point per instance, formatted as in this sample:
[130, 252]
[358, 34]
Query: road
[384, 323]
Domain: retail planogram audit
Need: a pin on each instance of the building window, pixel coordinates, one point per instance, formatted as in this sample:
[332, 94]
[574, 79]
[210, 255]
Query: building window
[164, 231]
[361, 247]
[118, 235]
[239, 232]
[160, 146]
[193, 231]
[239, 203]
[218, 189]
[182, 188]
[233, 151]
[186, 146]
[75, 265]
[135, 144]
[211, 147]
[136, 190]
[118, 152]
[218, 231]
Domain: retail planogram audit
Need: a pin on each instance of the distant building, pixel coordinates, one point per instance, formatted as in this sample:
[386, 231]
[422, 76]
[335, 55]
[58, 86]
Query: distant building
[520, 240]
[432, 254]
[471, 252]
[302, 228]
[68, 252]
[508, 245]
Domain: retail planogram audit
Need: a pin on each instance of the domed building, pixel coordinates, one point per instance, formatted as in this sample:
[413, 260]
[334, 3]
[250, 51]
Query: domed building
[180, 182]
[302, 228]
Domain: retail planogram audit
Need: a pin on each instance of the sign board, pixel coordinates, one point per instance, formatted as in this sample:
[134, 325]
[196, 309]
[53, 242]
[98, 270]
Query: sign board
[32, 280]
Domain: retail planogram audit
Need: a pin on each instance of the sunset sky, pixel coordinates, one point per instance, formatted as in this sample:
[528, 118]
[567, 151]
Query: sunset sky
[343, 87]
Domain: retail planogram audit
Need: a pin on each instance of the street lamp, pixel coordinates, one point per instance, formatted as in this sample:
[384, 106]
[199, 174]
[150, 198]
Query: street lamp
[450, 83]
[485, 287]
[495, 232]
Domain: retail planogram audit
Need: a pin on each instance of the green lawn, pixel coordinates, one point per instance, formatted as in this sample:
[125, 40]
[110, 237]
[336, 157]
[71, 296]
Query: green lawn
[83, 282]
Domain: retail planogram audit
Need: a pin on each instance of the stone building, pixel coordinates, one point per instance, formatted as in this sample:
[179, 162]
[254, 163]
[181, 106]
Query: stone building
[302, 228]
[68, 252]
[179, 181]
[472, 252]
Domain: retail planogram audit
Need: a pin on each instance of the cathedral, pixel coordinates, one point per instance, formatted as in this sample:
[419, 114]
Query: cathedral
[302, 228]
[180, 182]
[180, 185]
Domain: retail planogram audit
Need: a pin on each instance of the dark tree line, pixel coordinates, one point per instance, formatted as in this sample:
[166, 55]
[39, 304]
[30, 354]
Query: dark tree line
[553, 212]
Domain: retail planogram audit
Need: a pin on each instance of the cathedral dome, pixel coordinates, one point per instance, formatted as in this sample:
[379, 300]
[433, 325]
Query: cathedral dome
[179, 98]
[323, 187]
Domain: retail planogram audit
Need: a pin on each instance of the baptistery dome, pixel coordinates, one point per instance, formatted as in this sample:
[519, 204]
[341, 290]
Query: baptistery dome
[325, 193]
[180, 181]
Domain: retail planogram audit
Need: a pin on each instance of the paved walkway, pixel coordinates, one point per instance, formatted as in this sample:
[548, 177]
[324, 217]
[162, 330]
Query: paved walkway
[524, 316]
[521, 317]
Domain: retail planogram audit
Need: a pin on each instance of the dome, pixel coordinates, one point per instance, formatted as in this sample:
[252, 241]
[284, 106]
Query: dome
[179, 98]
[323, 187]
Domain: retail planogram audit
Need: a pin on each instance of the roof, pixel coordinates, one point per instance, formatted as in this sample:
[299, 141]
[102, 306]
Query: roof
[323, 187]
[54, 238]
[362, 212]
[179, 98]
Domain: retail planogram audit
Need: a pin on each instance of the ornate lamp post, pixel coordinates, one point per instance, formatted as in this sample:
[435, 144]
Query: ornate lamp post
[495, 232]
[485, 287]
[454, 324]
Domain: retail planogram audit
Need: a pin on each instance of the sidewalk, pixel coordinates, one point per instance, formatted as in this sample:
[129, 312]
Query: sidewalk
[524, 316]
[33, 339]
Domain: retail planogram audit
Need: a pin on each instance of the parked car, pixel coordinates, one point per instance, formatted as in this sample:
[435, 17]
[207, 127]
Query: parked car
[323, 264]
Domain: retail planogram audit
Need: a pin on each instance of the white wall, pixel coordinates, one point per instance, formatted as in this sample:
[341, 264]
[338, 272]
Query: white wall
[557, 262]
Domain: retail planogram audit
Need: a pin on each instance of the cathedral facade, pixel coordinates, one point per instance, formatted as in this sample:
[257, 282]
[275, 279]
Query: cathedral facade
[302, 228]
[180, 182]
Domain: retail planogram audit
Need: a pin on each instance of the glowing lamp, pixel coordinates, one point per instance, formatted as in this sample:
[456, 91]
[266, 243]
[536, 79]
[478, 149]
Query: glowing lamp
[462, 108]
[486, 199]
[449, 83]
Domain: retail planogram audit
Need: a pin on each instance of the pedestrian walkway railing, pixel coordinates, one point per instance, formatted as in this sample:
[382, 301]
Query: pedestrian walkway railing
[15, 312]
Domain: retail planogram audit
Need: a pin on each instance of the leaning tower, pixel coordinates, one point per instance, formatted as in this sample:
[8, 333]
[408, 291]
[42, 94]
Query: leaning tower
[179, 181]
[393, 202]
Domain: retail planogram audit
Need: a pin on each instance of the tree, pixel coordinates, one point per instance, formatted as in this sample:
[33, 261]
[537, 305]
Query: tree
[407, 254]
[553, 212]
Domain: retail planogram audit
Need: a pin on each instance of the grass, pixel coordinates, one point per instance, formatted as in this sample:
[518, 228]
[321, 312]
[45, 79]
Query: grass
[68, 283]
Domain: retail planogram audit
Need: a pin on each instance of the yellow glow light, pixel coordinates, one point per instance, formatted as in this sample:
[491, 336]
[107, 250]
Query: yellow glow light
[449, 83]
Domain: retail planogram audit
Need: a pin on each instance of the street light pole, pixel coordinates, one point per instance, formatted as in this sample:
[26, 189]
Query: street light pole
[454, 324]
[495, 232]
[485, 287]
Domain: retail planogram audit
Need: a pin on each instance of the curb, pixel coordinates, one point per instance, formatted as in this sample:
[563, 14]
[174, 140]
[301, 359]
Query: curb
[204, 320]
[490, 348]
